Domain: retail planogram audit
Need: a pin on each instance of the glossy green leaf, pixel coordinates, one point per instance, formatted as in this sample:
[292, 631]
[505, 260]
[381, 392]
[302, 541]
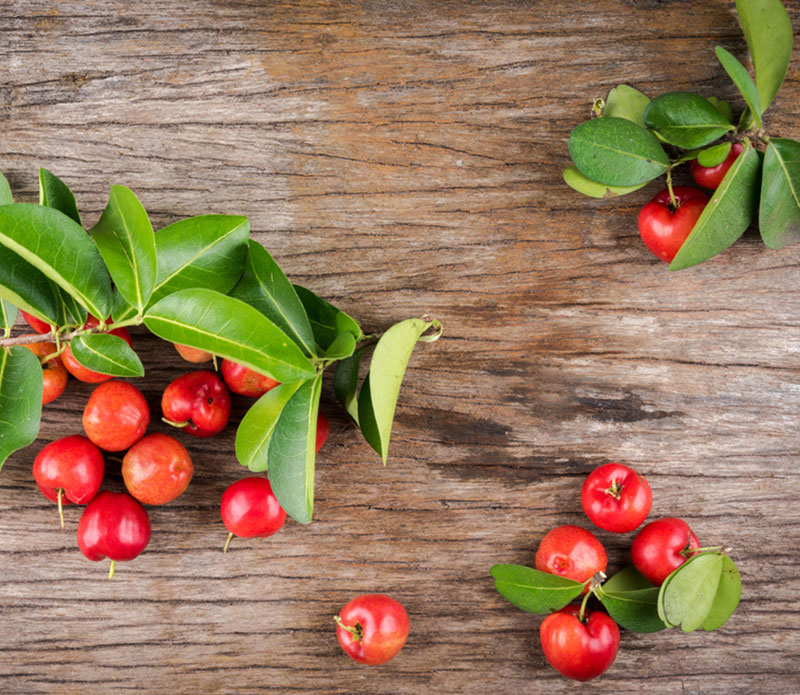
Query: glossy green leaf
[729, 591]
[342, 347]
[686, 596]
[532, 590]
[8, 314]
[58, 247]
[227, 327]
[326, 320]
[208, 251]
[723, 107]
[292, 452]
[744, 83]
[255, 430]
[616, 152]
[577, 181]
[378, 398]
[25, 287]
[779, 211]
[264, 286]
[107, 354]
[727, 215]
[20, 399]
[6, 197]
[768, 32]
[126, 241]
[54, 193]
[632, 601]
[714, 155]
[626, 102]
[345, 383]
[686, 120]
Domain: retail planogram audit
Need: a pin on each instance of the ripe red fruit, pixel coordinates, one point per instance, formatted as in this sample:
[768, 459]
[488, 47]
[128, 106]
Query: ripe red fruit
[37, 324]
[323, 429]
[245, 381]
[711, 177]
[571, 552]
[372, 628]
[661, 547]
[250, 509]
[197, 403]
[54, 376]
[191, 354]
[579, 650]
[78, 370]
[616, 498]
[157, 469]
[116, 415]
[69, 470]
[664, 229]
[113, 525]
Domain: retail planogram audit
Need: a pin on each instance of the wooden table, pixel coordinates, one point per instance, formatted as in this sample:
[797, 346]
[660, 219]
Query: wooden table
[403, 158]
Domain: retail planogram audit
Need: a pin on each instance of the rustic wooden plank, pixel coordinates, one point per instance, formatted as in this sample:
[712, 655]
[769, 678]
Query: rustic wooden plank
[404, 158]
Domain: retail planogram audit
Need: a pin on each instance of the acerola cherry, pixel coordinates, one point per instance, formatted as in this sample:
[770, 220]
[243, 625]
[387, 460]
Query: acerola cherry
[245, 381]
[616, 498]
[116, 415]
[69, 470]
[54, 376]
[191, 354]
[250, 509]
[372, 628]
[113, 525]
[663, 228]
[661, 547]
[157, 469]
[77, 369]
[323, 429]
[571, 552]
[711, 177]
[37, 324]
[579, 650]
[197, 403]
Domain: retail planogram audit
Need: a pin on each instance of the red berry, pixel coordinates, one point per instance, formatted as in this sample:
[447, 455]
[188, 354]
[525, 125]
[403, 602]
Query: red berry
[197, 403]
[571, 552]
[37, 324]
[711, 177]
[372, 628]
[664, 229]
[250, 509]
[54, 376]
[191, 354]
[80, 372]
[157, 469]
[245, 381]
[323, 429]
[661, 547]
[116, 415]
[616, 498]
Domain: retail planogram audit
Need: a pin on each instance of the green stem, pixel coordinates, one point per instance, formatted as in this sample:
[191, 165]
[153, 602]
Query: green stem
[111, 569]
[357, 631]
[59, 493]
[583, 605]
[672, 200]
[227, 543]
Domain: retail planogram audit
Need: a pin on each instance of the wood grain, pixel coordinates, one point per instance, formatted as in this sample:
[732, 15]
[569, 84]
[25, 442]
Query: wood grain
[405, 158]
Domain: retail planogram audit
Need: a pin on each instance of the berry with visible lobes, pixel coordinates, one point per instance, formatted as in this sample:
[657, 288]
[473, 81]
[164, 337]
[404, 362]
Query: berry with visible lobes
[250, 509]
[664, 227]
[191, 354]
[711, 177]
[80, 372]
[661, 547]
[372, 628]
[571, 552]
[616, 498]
[54, 375]
[245, 381]
[197, 403]
[116, 415]
[157, 469]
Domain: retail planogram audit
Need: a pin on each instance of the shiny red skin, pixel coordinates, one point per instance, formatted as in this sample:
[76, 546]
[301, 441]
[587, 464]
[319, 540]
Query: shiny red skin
[245, 381]
[658, 548]
[383, 624]
[663, 230]
[116, 415]
[37, 324]
[323, 429]
[78, 370]
[711, 177]
[72, 464]
[250, 509]
[616, 498]
[54, 376]
[113, 525]
[157, 469]
[191, 354]
[199, 399]
[571, 552]
[580, 651]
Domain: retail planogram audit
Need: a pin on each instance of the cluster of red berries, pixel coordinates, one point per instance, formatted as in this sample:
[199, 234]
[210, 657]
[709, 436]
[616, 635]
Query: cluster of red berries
[617, 499]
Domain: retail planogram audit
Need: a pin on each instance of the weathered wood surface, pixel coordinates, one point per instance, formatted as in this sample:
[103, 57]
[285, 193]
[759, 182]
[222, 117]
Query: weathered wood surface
[403, 158]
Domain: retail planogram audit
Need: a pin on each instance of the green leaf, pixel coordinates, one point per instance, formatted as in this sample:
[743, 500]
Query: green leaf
[227, 327]
[779, 211]
[378, 398]
[20, 399]
[741, 78]
[342, 347]
[727, 215]
[345, 383]
[58, 247]
[715, 155]
[256, 428]
[8, 315]
[723, 107]
[532, 590]
[6, 197]
[768, 31]
[208, 251]
[632, 601]
[686, 120]
[54, 193]
[107, 354]
[292, 451]
[617, 152]
[626, 102]
[326, 320]
[264, 286]
[577, 181]
[25, 287]
[686, 596]
[727, 598]
[126, 241]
